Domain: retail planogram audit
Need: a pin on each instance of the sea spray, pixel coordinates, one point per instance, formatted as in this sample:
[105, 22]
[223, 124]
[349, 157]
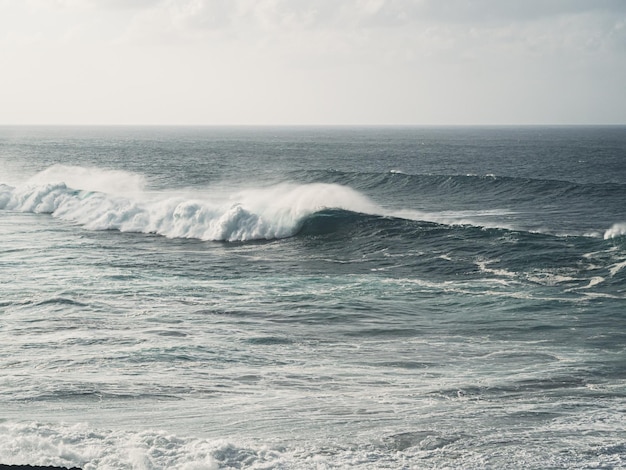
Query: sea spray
[617, 230]
[91, 179]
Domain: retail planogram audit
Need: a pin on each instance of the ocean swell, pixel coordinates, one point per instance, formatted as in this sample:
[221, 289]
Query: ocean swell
[100, 199]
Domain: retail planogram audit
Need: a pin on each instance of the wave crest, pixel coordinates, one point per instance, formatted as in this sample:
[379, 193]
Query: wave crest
[253, 214]
[617, 230]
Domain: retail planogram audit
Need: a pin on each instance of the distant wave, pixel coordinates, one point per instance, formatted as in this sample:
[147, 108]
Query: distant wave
[617, 230]
[116, 200]
[488, 185]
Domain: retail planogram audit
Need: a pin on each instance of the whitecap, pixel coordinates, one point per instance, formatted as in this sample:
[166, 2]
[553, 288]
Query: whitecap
[617, 230]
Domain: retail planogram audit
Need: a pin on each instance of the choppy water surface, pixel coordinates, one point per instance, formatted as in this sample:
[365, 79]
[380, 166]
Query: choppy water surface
[313, 297]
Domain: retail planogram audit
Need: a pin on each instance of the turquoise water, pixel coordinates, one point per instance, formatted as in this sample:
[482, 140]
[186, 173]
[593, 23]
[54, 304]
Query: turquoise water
[313, 297]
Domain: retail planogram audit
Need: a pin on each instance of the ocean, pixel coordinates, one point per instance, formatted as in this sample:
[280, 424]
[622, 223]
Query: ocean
[313, 297]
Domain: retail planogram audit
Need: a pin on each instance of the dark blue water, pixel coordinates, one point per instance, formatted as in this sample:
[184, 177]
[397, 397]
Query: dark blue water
[313, 297]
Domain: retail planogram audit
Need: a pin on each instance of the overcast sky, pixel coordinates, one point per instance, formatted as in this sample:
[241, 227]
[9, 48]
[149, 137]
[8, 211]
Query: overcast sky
[423, 62]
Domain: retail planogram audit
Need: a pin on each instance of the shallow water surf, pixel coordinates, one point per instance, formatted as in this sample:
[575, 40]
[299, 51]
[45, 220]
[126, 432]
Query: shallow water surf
[312, 298]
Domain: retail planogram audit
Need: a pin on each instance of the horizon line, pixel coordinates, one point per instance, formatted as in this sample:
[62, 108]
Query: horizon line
[313, 125]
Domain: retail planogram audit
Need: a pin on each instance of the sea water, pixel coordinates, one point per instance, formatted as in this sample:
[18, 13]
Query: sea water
[293, 298]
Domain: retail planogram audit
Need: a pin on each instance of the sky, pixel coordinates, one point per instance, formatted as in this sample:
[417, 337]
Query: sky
[312, 62]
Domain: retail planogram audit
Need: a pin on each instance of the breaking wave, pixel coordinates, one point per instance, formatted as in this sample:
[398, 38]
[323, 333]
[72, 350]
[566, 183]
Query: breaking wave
[100, 199]
[251, 214]
[617, 230]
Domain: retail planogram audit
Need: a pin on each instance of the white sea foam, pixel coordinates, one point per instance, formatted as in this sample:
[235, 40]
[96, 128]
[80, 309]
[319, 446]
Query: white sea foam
[483, 266]
[479, 218]
[97, 449]
[78, 445]
[617, 267]
[594, 281]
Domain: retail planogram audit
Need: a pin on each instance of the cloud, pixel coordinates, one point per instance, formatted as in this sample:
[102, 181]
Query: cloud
[420, 24]
[420, 28]
[368, 13]
[492, 11]
[348, 61]
[84, 4]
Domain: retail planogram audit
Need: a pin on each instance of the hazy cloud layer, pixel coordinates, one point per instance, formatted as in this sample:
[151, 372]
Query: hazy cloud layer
[320, 61]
